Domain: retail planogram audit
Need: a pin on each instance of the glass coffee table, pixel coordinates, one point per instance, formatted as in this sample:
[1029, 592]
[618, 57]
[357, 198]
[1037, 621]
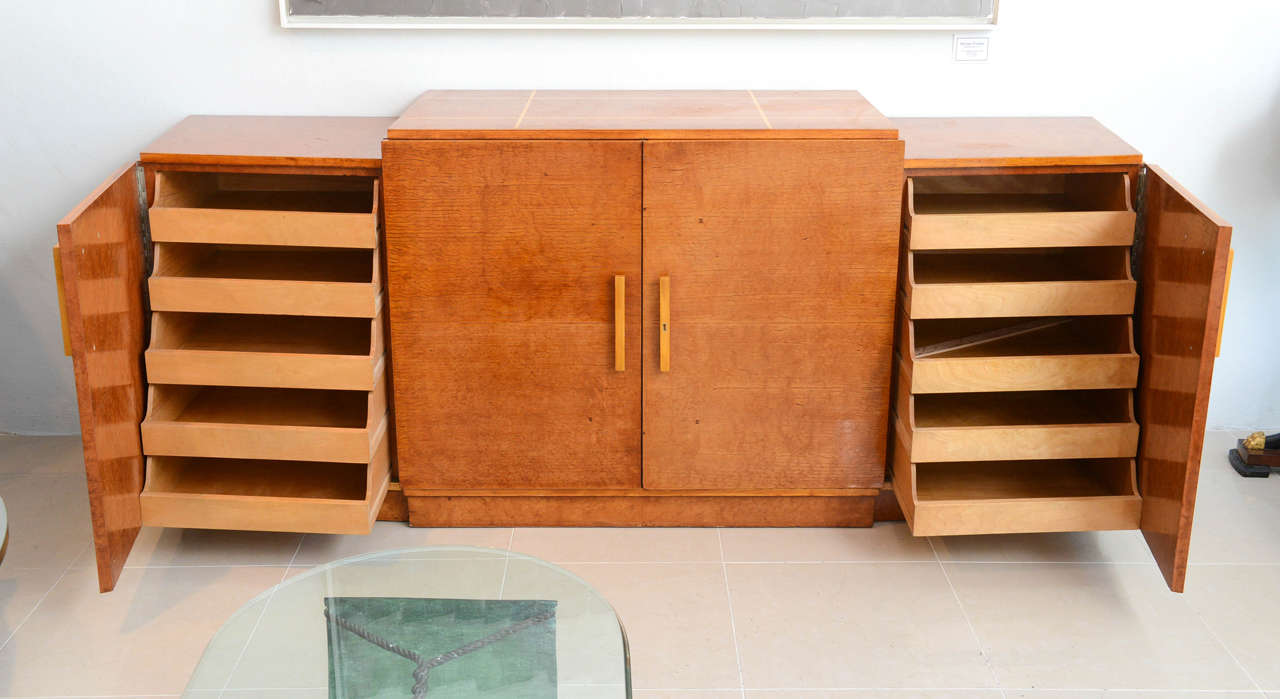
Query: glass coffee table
[443, 622]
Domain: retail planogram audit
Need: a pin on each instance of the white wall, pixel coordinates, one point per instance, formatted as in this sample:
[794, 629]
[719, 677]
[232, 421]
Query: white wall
[85, 85]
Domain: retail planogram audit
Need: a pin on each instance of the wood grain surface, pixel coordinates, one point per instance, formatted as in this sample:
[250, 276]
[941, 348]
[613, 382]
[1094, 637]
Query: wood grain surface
[782, 264]
[351, 143]
[975, 142]
[641, 114]
[1184, 268]
[501, 265]
[642, 511]
[103, 278]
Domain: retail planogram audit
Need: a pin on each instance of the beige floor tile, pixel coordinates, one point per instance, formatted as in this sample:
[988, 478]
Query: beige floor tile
[48, 520]
[887, 541]
[1066, 547]
[876, 694]
[1240, 604]
[57, 455]
[143, 638]
[387, 536]
[851, 625]
[686, 694]
[588, 633]
[1232, 513]
[1107, 694]
[1071, 626]
[20, 590]
[676, 616]
[156, 546]
[618, 544]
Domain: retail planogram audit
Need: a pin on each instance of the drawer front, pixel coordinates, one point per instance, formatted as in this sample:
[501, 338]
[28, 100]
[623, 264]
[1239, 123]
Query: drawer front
[1005, 443]
[291, 443]
[1051, 373]
[273, 370]
[334, 230]
[264, 296]
[1015, 299]
[1021, 230]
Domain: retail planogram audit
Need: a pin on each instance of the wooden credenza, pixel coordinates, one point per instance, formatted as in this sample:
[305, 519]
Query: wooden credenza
[642, 308]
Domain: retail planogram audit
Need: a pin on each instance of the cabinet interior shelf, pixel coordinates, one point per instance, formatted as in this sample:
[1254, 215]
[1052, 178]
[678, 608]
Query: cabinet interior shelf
[256, 478]
[260, 406]
[258, 192]
[1020, 265]
[196, 260]
[226, 332]
[1004, 480]
[1022, 408]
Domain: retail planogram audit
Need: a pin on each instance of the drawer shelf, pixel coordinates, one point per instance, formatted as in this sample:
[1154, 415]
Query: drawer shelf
[1013, 426]
[265, 351]
[265, 423]
[254, 209]
[1018, 282]
[1019, 211]
[271, 280]
[1017, 354]
[282, 496]
[1010, 497]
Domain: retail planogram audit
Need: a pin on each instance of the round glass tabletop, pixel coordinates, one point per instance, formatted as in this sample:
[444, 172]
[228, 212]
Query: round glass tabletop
[438, 622]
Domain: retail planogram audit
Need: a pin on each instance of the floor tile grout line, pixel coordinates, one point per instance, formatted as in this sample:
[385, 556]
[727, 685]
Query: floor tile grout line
[733, 624]
[973, 631]
[1204, 622]
[257, 622]
[69, 567]
[506, 558]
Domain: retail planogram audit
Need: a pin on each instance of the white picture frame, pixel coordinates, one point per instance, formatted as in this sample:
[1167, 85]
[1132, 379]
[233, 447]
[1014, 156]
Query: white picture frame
[289, 20]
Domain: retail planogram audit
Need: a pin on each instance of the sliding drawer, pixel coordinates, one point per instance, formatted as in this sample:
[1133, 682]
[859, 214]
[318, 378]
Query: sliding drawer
[271, 280]
[254, 209]
[1014, 426]
[1013, 354]
[1018, 282]
[268, 351]
[281, 496]
[1015, 497]
[961, 212]
[265, 423]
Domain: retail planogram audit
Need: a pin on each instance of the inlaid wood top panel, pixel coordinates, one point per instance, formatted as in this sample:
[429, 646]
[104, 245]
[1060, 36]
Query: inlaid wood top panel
[266, 141]
[650, 114]
[978, 142]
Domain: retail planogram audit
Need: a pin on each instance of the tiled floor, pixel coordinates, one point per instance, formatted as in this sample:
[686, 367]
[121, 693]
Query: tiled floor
[711, 614]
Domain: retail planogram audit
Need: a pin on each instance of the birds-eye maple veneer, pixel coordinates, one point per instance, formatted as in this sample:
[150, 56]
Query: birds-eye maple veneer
[642, 308]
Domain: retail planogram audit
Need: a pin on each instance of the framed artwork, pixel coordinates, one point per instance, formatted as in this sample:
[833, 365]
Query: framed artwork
[640, 14]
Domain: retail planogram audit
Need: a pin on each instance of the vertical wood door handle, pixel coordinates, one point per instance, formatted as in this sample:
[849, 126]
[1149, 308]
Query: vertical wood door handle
[664, 323]
[619, 322]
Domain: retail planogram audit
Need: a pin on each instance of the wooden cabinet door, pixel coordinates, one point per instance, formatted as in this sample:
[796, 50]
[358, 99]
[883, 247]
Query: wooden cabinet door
[1184, 268]
[781, 260]
[100, 247]
[502, 258]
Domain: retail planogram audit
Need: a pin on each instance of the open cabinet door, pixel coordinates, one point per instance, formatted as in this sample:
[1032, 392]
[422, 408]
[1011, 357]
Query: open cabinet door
[1184, 269]
[103, 277]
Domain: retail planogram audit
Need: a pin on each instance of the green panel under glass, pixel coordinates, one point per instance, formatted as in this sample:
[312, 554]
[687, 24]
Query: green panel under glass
[457, 647]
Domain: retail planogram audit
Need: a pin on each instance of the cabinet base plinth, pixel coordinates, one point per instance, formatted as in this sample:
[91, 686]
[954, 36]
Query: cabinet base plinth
[641, 511]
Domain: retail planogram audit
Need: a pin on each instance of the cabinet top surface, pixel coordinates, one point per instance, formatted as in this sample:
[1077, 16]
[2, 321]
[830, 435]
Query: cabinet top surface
[983, 142]
[648, 114]
[272, 141]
